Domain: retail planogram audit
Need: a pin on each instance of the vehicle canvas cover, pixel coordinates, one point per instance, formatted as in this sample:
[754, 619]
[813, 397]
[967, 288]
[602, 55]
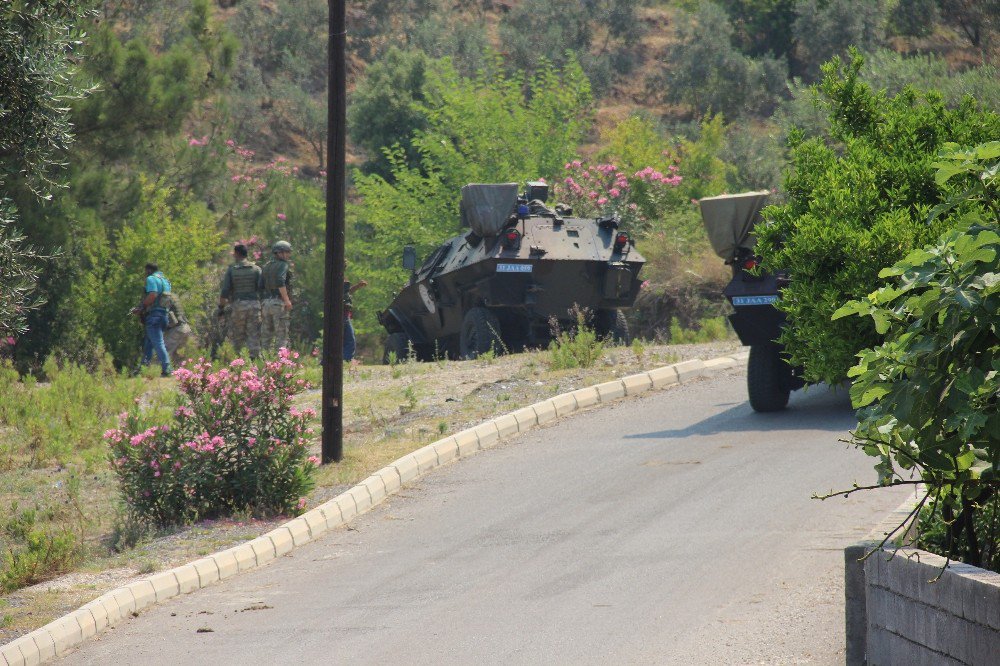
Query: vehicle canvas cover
[729, 219]
[486, 208]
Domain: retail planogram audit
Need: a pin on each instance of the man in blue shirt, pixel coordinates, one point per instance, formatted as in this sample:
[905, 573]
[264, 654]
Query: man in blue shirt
[153, 310]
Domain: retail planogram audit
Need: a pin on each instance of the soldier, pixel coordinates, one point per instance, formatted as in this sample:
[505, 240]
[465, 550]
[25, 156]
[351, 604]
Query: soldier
[276, 308]
[241, 287]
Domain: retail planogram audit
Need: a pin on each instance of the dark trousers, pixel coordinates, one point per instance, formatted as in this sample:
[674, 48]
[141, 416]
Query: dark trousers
[350, 342]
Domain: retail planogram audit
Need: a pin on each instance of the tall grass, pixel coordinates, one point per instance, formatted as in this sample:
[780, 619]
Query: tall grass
[708, 329]
[60, 417]
[578, 347]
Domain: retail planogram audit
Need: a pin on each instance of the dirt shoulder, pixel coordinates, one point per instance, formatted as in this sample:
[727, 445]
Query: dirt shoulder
[388, 412]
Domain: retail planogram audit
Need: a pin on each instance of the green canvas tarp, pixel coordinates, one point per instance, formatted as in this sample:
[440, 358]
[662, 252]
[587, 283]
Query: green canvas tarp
[729, 219]
[486, 208]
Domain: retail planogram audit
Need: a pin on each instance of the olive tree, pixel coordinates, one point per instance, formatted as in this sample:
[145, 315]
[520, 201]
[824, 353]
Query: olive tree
[37, 45]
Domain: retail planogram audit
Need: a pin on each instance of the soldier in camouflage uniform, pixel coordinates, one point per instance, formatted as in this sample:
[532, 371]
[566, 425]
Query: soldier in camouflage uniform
[276, 308]
[241, 288]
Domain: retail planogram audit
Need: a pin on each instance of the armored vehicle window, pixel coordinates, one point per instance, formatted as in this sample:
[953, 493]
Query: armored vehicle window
[436, 258]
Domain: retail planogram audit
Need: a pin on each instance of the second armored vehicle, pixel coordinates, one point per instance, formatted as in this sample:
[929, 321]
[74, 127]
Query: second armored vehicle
[519, 268]
[729, 220]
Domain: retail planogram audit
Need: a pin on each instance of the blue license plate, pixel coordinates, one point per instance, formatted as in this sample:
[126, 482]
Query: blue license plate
[513, 268]
[754, 300]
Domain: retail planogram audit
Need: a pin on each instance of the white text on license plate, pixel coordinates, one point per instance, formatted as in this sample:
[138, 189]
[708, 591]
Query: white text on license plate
[513, 268]
[754, 300]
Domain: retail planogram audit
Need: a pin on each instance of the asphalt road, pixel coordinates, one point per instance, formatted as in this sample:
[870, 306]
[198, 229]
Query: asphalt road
[676, 528]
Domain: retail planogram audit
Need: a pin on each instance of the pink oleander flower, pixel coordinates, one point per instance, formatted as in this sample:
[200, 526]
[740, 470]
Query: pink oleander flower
[281, 216]
[313, 459]
[302, 503]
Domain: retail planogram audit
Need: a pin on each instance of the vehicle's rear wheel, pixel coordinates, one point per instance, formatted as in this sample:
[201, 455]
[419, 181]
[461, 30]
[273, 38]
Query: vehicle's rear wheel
[397, 346]
[769, 378]
[612, 325]
[480, 333]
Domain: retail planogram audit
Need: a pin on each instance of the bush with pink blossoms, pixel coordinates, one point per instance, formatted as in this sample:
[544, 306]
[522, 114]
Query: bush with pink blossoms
[639, 199]
[235, 444]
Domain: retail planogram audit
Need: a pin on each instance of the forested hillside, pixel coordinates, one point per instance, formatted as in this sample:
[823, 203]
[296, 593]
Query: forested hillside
[137, 130]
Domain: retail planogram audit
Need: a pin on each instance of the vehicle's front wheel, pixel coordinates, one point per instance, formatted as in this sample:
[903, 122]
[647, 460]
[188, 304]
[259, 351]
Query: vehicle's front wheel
[611, 325]
[769, 378]
[396, 349]
[480, 333]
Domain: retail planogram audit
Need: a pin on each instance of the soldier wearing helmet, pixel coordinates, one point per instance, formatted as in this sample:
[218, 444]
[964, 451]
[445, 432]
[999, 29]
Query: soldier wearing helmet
[241, 290]
[276, 307]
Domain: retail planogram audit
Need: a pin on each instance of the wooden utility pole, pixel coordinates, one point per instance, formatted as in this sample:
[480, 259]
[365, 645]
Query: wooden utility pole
[336, 188]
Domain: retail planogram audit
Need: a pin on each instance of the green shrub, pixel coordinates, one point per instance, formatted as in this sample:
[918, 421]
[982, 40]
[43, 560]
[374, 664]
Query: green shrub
[235, 444]
[578, 347]
[857, 201]
[61, 419]
[937, 533]
[927, 394]
[709, 329]
[32, 553]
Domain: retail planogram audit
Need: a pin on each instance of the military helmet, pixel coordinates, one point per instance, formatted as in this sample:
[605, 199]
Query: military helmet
[281, 246]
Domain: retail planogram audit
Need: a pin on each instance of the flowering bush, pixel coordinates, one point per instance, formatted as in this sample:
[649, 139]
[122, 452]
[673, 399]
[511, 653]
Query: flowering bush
[638, 199]
[234, 444]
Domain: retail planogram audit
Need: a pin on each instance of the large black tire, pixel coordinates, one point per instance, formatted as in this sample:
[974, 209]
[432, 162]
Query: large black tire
[480, 334]
[769, 378]
[397, 343]
[611, 325]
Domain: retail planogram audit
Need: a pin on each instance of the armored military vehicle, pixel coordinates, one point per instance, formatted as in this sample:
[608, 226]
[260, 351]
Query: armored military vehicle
[519, 265]
[729, 220]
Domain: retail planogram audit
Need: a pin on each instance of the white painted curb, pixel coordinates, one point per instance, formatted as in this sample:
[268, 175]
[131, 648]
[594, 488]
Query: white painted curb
[71, 630]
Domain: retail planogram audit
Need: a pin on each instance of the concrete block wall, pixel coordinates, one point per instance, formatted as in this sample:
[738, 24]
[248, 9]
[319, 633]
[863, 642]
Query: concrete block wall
[905, 607]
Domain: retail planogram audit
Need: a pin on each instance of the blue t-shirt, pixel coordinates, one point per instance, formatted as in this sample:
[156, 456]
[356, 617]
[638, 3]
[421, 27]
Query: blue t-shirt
[159, 284]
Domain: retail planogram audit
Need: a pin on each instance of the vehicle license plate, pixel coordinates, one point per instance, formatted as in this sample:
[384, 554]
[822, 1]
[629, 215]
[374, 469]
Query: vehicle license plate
[513, 268]
[754, 300]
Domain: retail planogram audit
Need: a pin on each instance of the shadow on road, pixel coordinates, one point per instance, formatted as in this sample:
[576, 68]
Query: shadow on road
[816, 408]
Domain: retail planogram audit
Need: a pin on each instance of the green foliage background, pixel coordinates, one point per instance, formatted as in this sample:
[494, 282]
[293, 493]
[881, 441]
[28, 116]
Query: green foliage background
[927, 392]
[182, 111]
[857, 201]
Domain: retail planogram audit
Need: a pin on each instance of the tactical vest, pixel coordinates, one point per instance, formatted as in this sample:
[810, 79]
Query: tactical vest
[243, 278]
[271, 277]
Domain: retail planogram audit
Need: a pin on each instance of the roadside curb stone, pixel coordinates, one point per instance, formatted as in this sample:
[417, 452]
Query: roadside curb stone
[74, 628]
